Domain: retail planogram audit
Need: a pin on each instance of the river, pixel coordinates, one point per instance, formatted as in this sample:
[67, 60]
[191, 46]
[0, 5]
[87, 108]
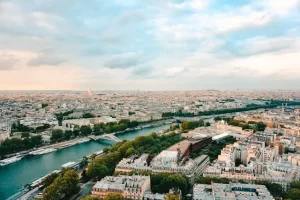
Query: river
[14, 176]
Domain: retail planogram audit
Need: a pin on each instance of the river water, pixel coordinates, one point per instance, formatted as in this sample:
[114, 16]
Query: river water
[14, 176]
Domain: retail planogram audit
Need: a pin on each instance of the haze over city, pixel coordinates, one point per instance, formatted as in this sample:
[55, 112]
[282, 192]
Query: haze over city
[149, 99]
[149, 45]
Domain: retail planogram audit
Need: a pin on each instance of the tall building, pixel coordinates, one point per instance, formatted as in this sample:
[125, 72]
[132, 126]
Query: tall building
[90, 93]
[242, 154]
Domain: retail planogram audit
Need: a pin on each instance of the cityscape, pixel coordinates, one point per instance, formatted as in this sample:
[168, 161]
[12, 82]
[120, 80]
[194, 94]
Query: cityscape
[149, 100]
[205, 144]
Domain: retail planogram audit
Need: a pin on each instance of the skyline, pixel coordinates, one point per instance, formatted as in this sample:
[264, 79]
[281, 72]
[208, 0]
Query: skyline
[149, 45]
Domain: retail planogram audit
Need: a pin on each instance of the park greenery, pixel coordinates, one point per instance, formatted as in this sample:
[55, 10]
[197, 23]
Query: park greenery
[189, 125]
[250, 107]
[61, 116]
[15, 145]
[268, 105]
[63, 186]
[164, 182]
[255, 126]
[48, 180]
[152, 144]
[59, 135]
[17, 127]
[89, 197]
[114, 196]
[293, 192]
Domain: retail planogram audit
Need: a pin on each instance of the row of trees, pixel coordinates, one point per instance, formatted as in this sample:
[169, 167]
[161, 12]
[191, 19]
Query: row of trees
[293, 192]
[14, 145]
[221, 111]
[105, 165]
[63, 186]
[162, 183]
[17, 127]
[189, 125]
[109, 196]
[60, 116]
[98, 129]
[256, 126]
[114, 126]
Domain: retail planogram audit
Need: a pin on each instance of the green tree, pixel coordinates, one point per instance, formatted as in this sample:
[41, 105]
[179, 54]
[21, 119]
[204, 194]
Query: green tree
[65, 185]
[131, 151]
[44, 105]
[25, 134]
[261, 126]
[57, 135]
[96, 169]
[90, 198]
[68, 134]
[48, 180]
[76, 132]
[84, 162]
[88, 115]
[85, 130]
[169, 196]
[36, 140]
[93, 156]
[114, 196]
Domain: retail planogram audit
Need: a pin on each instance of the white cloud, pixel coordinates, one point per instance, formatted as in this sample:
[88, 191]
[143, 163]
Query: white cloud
[262, 44]
[280, 7]
[190, 4]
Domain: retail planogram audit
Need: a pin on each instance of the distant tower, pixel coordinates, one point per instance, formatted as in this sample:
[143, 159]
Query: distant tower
[90, 93]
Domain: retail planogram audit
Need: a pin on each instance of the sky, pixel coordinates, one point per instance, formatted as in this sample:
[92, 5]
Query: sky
[149, 44]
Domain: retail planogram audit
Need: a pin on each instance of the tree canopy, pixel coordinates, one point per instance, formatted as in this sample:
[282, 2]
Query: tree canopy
[64, 185]
[114, 196]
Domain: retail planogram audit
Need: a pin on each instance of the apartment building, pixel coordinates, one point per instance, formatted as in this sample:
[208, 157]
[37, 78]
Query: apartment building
[131, 187]
[232, 191]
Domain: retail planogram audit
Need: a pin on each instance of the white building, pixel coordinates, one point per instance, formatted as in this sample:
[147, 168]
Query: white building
[232, 191]
[5, 130]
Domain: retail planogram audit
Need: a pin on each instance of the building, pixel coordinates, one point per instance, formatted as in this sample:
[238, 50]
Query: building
[182, 147]
[5, 130]
[170, 162]
[167, 161]
[131, 164]
[199, 144]
[131, 187]
[231, 191]
[241, 153]
[150, 196]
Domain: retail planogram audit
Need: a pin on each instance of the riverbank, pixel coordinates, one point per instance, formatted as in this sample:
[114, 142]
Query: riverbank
[80, 140]
[15, 176]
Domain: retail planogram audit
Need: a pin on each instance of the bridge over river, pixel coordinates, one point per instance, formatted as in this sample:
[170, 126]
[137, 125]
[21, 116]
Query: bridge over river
[105, 137]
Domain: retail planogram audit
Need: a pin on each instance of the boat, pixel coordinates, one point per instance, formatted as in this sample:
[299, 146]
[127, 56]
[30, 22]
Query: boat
[38, 181]
[10, 160]
[42, 151]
